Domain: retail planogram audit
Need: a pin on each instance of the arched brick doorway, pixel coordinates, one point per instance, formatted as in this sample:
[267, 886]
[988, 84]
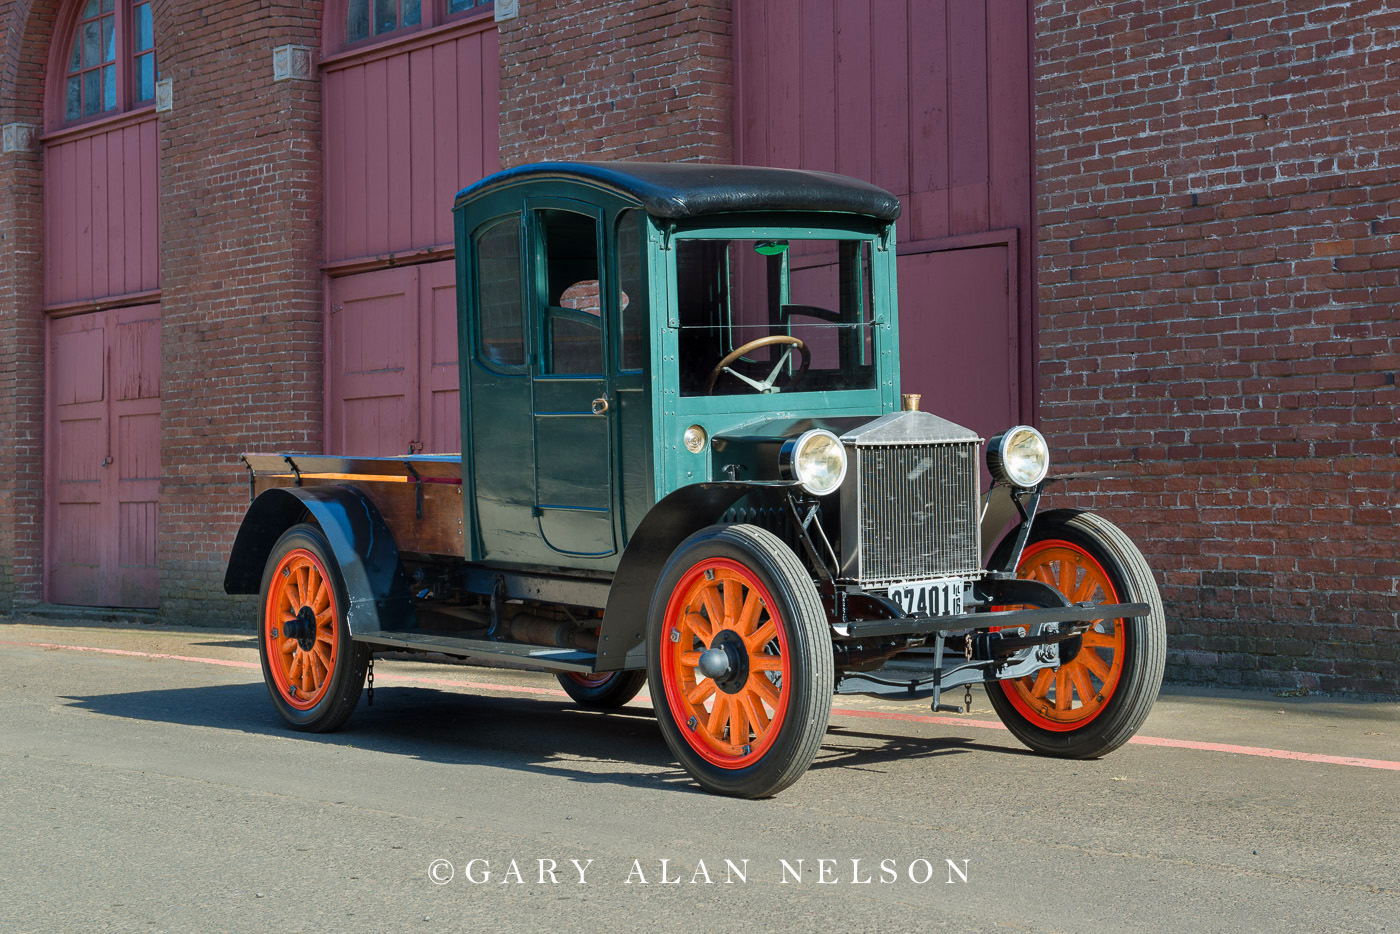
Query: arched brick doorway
[410, 96]
[102, 306]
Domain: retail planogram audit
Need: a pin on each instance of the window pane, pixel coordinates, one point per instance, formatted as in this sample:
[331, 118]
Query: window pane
[386, 16]
[91, 8]
[92, 39]
[109, 38]
[106, 6]
[574, 324]
[575, 347]
[631, 298]
[146, 77]
[109, 87]
[733, 292]
[73, 108]
[457, 6]
[76, 62]
[144, 33]
[501, 333]
[412, 12]
[92, 92]
[357, 20]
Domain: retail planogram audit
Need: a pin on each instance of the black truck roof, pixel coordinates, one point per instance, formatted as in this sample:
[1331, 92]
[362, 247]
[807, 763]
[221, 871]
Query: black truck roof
[677, 190]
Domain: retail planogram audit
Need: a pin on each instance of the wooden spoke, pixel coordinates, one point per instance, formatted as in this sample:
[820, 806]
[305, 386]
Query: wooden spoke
[1091, 660]
[714, 606]
[733, 600]
[765, 634]
[1080, 676]
[702, 691]
[748, 617]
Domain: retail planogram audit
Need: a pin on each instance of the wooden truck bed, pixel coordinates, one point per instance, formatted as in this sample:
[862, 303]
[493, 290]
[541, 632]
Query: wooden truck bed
[419, 495]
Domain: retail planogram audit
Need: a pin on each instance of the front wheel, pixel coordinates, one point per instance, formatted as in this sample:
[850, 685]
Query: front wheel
[1108, 679]
[740, 661]
[313, 670]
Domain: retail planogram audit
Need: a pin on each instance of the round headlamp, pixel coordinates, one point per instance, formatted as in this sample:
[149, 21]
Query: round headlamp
[1018, 457]
[816, 459]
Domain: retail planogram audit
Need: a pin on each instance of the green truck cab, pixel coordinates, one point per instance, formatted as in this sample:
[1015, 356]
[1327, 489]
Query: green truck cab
[687, 463]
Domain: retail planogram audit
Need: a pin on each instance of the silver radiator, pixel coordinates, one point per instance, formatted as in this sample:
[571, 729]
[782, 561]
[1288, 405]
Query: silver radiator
[909, 506]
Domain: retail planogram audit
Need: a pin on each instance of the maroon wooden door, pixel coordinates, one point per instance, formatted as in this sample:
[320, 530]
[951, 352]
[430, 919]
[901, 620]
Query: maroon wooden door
[408, 123]
[373, 344]
[930, 99]
[104, 457]
[392, 366]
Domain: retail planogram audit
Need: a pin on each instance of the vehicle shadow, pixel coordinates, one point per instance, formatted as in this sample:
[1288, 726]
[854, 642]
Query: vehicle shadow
[540, 735]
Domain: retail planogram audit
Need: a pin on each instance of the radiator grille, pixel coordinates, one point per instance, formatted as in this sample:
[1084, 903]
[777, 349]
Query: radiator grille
[917, 511]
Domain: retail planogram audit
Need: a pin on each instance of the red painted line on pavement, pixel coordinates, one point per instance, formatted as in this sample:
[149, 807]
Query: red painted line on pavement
[226, 662]
[1270, 753]
[1228, 748]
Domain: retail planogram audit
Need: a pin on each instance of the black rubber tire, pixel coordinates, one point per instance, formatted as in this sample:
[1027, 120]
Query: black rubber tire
[811, 657]
[613, 693]
[352, 658]
[1145, 641]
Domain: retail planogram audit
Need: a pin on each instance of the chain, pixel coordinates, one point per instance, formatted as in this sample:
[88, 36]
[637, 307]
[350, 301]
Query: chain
[371, 681]
[967, 688]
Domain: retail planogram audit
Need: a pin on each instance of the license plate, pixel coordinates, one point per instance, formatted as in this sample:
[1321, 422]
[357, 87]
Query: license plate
[942, 597]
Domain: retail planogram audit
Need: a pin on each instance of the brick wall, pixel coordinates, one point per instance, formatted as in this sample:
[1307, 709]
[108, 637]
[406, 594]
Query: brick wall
[242, 291]
[1219, 195]
[617, 79]
[26, 26]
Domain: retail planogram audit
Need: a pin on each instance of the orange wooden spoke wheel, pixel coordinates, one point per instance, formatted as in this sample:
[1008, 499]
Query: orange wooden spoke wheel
[721, 619]
[1070, 696]
[300, 629]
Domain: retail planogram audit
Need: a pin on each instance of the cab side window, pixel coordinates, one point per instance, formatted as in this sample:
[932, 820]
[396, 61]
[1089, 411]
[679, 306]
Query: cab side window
[501, 332]
[573, 322]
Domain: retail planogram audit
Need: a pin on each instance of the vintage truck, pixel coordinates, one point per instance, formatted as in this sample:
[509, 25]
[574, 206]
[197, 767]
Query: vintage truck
[686, 463]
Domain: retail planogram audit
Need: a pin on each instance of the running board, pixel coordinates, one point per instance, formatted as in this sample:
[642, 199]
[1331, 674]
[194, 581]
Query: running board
[542, 655]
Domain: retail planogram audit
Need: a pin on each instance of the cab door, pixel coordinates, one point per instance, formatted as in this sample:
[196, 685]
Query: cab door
[573, 404]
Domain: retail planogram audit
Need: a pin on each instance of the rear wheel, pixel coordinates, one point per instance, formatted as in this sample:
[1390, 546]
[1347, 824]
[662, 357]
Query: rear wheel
[313, 670]
[1109, 678]
[604, 690]
[740, 661]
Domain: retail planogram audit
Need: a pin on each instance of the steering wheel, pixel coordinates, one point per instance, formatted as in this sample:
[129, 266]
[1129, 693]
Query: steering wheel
[767, 385]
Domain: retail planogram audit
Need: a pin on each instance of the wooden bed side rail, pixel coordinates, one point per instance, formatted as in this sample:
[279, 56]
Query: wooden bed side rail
[419, 496]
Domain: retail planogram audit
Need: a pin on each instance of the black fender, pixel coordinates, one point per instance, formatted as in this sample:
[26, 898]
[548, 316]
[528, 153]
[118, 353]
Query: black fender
[622, 639]
[359, 539]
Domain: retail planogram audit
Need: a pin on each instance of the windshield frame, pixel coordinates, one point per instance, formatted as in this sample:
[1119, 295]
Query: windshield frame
[884, 335]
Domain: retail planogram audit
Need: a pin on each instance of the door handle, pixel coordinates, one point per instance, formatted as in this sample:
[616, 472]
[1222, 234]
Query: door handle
[105, 461]
[600, 405]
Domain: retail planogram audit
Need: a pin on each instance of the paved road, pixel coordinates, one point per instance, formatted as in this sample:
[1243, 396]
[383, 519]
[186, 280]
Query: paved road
[145, 793]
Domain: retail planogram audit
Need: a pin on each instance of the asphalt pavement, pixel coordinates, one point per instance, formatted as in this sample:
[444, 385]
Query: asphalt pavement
[146, 784]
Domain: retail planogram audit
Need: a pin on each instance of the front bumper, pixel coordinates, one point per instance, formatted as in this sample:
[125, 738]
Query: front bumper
[1007, 619]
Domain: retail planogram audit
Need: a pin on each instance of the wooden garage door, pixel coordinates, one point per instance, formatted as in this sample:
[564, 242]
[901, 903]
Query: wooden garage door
[392, 365]
[959, 335]
[104, 457]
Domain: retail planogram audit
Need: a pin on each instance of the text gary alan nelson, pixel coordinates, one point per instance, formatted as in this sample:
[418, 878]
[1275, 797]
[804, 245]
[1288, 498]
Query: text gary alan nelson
[547, 871]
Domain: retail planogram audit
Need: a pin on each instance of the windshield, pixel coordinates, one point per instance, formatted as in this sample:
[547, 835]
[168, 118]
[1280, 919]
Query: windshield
[766, 316]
